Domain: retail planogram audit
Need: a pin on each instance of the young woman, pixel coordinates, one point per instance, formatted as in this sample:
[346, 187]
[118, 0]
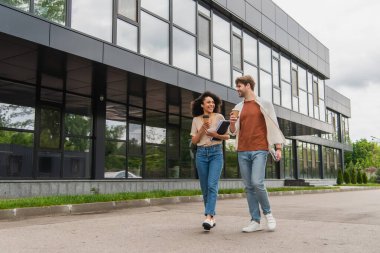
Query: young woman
[209, 154]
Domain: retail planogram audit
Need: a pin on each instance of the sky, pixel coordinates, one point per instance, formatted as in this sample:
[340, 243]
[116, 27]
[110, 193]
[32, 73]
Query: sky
[350, 29]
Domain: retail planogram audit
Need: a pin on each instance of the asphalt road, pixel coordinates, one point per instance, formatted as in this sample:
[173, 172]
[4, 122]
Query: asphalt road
[329, 222]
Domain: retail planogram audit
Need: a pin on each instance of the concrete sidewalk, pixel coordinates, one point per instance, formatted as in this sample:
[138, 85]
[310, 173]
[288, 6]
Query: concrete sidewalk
[335, 222]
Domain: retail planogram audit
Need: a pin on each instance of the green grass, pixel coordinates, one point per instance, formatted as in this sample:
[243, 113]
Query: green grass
[369, 184]
[91, 198]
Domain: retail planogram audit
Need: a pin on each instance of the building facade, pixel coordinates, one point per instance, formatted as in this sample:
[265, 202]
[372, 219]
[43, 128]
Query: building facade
[101, 89]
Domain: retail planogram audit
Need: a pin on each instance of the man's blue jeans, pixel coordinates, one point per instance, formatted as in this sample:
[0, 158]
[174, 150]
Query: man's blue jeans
[209, 161]
[252, 169]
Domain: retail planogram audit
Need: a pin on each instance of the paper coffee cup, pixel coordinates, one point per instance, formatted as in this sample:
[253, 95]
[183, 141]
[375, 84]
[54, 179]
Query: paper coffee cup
[235, 113]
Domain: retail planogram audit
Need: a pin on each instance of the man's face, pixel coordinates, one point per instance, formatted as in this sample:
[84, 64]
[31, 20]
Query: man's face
[242, 89]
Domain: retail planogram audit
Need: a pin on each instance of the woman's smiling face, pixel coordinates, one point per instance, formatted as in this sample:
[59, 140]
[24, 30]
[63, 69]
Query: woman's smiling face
[208, 105]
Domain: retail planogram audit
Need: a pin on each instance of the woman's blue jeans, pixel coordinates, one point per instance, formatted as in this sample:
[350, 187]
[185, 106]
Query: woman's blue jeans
[209, 161]
[252, 169]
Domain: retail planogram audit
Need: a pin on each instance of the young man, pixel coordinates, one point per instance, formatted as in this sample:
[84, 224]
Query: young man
[257, 132]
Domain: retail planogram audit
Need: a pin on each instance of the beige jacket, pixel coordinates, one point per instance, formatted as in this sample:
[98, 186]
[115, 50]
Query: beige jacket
[274, 134]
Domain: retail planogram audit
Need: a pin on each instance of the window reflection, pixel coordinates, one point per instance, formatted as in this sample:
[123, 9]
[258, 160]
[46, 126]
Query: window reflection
[184, 14]
[19, 4]
[250, 48]
[135, 138]
[221, 32]
[16, 116]
[265, 57]
[159, 7]
[276, 96]
[303, 102]
[236, 53]
[286, 95]
[128, 8]
[204, 68]
[53, 10]
[222, 67]
[265, 86]
[126, 35]
[93, 17]
[285, 68]
[154, 37]
[204, 35]
[250, 70]
[184, 52]
[50, 125]
[302, 78]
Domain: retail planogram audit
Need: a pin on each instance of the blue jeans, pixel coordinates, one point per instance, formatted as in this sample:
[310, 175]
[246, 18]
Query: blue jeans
[209, 161]
[252, 169]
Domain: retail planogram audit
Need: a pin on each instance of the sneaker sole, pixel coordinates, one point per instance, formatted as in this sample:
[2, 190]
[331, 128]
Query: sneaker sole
[252, 231]
[206, 226]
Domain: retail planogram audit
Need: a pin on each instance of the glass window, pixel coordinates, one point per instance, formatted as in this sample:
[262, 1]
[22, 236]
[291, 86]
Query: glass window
[285, 68]
[222, 67]
[126, 35]
[231, 170]
[204, 10]
[236, 30]
[322, 114]
[276, 96]
[286, 95]
[265, 86]
[303, 102]
[78, 116]
[115, 159]
[276, 72]
[154, 37]
[250, 70]
[53, 10]
[184, 52]
[134, 167]
[302, 78]
[265, 57]
[128, 8]
[309, 83]
[16, 116]
[294, 83]
[19, 4]
[295, 104]
[311, 105]
[184, 14]
[221, 32]
[77, 158]
[315, 93]
[321, 87]
[159, 7]
[116, 125]
[16, 149]
[50, 128]
[250, 48]
[204, 35]
[93, 17]
[135, 138]
[204, 68]
[236, 54]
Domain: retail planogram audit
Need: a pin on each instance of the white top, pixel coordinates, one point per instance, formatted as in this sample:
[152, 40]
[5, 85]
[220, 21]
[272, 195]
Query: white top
[197, 124]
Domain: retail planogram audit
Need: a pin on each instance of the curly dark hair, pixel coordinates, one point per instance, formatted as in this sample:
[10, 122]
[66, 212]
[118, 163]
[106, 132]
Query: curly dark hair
[196, 107]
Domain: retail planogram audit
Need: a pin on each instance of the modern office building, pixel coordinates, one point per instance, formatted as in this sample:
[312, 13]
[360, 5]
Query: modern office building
[94, 90]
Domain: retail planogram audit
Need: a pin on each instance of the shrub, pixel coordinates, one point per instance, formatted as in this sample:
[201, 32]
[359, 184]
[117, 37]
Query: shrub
[359, 178]
[353, 176]
[339, 179]
[346, 177]
[365, 178]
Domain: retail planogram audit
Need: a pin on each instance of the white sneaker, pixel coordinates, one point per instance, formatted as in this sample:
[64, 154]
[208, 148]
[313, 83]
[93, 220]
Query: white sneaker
[271, 222]
[252, 227]
[208, 224]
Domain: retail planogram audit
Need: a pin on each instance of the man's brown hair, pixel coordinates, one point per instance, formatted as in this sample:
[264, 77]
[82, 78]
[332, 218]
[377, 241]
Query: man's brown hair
[246, 80]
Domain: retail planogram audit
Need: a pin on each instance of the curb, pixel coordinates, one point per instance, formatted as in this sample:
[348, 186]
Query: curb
[103, 207]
